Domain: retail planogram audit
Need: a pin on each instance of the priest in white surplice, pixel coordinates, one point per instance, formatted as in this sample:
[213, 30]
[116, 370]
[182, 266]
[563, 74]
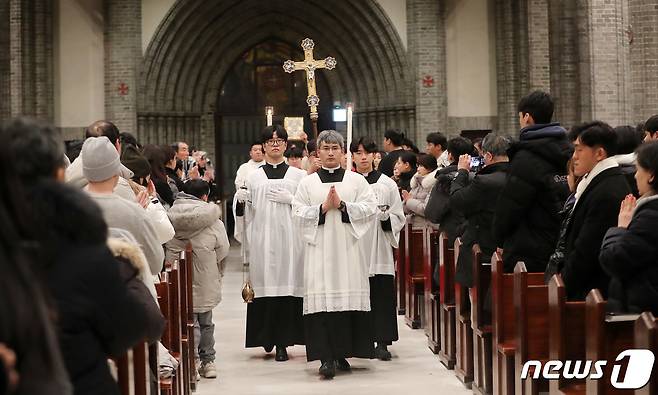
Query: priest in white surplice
[276, 266]
[377, 246]
[336, 208]
[256, 160]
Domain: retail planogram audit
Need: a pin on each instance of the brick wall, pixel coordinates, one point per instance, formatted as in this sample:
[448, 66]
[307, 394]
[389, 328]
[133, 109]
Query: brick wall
[123, 52]
[5, 108]
[644, 59]
[30, 57]
[426, 46]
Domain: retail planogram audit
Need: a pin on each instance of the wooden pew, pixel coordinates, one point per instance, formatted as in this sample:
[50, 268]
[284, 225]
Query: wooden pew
[401, 273]
[180, 341]
[413, 254]
[566, 338]
[504, 343]
[607, 336]
[447, 354]
[133, 371]
[463, 330]
[481, 325]
[430, 260]
[170, 386]
[646, 337]
[187, 314]
[531, 314]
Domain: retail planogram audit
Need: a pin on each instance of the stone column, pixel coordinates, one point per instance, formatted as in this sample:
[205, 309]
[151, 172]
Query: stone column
[123, 52]
[644, 58]
[5, 56]
[16, 56]
[427, 53]
[539, 67]
[605, 46]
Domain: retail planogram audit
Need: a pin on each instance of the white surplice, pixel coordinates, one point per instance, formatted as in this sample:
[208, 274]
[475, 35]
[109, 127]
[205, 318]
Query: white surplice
[275, 258]
[377, 245]
[241, 176]
[335, 275]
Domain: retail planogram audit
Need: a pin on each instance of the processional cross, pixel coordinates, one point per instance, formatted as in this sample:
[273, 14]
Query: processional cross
[310, 65]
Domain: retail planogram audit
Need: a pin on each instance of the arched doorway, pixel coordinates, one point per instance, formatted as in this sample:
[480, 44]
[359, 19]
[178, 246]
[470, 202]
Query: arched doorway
[257, 80]
[198, 44]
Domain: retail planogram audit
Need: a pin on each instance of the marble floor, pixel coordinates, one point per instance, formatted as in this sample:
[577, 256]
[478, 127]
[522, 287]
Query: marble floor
[413, 369]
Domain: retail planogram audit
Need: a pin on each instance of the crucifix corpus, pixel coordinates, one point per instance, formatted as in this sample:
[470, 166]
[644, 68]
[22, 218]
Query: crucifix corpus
[310, 65]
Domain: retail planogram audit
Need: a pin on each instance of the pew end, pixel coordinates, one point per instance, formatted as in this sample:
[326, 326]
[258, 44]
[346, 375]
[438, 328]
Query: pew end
[481, 325]
[531, 315]
[646, 337]
[607, 336]
[447, 354]
[463, 329]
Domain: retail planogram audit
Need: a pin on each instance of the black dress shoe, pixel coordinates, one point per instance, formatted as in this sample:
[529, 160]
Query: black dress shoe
[268, 348]
[281, 354]
[382, 353]
[328, 369]
[343, 365]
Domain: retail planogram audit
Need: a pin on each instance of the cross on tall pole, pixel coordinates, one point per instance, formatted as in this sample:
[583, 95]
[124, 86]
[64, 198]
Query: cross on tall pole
[310, 65]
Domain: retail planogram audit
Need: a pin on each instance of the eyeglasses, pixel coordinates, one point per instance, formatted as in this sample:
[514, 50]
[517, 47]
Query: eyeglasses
[275, 142]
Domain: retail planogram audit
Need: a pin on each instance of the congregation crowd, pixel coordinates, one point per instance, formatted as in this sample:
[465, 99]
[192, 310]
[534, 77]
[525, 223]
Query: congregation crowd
[85, 234]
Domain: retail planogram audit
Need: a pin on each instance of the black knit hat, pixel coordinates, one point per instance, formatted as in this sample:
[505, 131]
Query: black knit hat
[135, 161]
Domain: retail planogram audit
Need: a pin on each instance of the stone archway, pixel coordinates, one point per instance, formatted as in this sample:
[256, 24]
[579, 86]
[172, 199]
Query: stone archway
[198, 42]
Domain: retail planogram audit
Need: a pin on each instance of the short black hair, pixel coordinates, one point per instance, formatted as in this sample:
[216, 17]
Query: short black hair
[458, 146]
[395, 135]
[311, 146]
[628, 139]
[256, 143]
[196, 188]
[410, 158]
[34, 149]
[368, 145]
[539, 105]
[268, 133]
[294, 152]
[647, 158]
[596, 133]
[651, 125]
[411, 145]
[129, 139]
[427, 161]
[437, 138]
[103, 128]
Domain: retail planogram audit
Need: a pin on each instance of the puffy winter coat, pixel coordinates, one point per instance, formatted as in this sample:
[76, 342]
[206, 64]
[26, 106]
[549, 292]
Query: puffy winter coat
[197, 222]
[630, 257]
[421, 186]
[527, 221]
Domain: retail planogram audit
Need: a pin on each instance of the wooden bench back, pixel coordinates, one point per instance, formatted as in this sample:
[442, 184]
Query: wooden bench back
[481, 286]
[413, 251]
[531, 314]
[607, 336]
[502, 299]
[566, 331]
[446, 271]
[646, 337]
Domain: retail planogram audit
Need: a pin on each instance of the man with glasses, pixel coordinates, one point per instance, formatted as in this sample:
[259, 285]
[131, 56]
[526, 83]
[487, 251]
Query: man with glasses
[274, 318]
[335, 208]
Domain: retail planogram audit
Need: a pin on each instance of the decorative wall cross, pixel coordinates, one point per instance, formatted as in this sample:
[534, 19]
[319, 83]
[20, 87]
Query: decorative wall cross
[123, 89]
[310, 65]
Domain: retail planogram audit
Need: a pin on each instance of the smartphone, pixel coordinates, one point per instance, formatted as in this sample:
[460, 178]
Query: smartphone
[476, 162]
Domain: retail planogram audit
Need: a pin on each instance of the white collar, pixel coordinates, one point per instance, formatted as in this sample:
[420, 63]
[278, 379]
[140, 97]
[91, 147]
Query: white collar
[600, 167]
[643, 200]
[331, 170]
[626, 159]
[276, 165]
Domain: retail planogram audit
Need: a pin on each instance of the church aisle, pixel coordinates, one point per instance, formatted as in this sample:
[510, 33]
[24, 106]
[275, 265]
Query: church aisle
[414, 369]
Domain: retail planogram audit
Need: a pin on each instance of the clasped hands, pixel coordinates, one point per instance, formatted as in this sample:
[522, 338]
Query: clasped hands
[332, 201]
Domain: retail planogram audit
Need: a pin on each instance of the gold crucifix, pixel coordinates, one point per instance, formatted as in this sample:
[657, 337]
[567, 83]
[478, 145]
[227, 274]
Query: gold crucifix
[310, 65]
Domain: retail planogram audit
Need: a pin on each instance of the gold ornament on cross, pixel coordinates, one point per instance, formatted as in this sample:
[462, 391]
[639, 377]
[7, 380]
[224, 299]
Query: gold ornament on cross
[310, 65]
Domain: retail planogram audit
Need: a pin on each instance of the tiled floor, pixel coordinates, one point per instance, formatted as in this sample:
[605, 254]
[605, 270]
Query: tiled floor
[413, 370]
